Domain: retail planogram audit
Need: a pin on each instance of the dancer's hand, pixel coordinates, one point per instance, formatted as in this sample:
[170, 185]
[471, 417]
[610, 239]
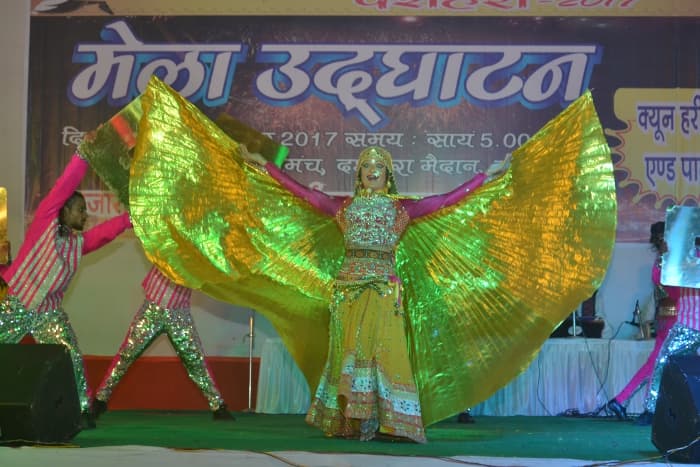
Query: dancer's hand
[91, 135]
[252, 157]
[88, 138]
[498, 168]
[5, 253]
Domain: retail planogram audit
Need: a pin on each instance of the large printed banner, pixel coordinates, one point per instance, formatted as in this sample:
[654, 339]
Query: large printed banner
[370, 7]
[446, 96]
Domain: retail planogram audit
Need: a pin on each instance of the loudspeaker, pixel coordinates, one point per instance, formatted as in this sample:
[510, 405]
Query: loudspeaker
[38, 397]
[676, 420]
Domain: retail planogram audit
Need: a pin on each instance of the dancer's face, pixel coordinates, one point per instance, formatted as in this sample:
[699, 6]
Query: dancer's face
[373, 173]
[75, 214]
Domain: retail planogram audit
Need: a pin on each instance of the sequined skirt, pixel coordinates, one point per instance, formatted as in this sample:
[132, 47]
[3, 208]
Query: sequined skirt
[367, 387]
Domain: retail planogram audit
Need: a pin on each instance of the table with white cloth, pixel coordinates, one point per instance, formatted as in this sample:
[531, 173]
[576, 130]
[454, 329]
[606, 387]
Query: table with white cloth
[568, 374]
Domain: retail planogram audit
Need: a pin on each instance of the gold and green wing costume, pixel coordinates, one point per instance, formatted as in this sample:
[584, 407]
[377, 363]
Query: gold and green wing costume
[485, 281]
[488, 280]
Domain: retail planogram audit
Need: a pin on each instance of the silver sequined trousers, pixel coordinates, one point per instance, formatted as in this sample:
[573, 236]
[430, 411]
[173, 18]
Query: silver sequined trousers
[681, 340]
[149, 322]
[47, 327]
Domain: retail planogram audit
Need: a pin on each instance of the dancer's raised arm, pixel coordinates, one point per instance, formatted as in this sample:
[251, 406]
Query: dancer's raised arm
[430, 204]
[321, 201]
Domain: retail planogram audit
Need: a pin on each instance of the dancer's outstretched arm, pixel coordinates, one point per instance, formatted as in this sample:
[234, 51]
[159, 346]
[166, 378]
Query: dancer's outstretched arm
[321, 201]
[430, 204]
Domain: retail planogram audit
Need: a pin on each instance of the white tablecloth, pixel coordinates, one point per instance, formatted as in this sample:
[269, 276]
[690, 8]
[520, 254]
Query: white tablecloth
[569, 373]
[282, 387]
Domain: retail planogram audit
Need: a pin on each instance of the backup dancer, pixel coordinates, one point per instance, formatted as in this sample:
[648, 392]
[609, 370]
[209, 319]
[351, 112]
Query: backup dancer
[665, 300]
[45, 264]
[166, 309]
[682, 339]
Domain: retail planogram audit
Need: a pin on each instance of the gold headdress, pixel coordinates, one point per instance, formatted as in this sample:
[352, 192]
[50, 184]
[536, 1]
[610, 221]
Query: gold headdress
[375, 152]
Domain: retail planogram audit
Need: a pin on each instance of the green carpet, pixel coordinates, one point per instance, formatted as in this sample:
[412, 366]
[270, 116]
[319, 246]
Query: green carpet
[539, 437]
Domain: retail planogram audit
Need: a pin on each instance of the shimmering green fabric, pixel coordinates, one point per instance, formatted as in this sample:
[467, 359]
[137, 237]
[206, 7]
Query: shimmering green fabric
[486, 281]
[213, 223]
[489, 279]
[109, 153]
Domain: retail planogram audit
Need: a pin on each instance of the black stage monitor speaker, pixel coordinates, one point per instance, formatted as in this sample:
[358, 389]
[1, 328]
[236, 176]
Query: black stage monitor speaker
[38, 398]
[677, 418]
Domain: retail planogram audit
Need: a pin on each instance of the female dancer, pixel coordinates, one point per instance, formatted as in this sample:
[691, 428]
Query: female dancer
[44, 266]
[367, 386]
[665, 301]
[470, 320]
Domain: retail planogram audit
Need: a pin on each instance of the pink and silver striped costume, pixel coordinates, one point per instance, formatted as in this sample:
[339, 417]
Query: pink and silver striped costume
[42, 270]
[682, 339]
[166, 309]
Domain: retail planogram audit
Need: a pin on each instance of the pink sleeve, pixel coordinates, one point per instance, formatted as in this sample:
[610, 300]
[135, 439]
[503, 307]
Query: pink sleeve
[430, 204]
[656, 274]
[673, 292]
[105, 232]
[65, 186]
[49, 208]
[321, 201]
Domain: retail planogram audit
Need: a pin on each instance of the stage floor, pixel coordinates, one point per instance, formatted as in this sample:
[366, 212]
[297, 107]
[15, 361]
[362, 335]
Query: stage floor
[193, 438]
[146, 456]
